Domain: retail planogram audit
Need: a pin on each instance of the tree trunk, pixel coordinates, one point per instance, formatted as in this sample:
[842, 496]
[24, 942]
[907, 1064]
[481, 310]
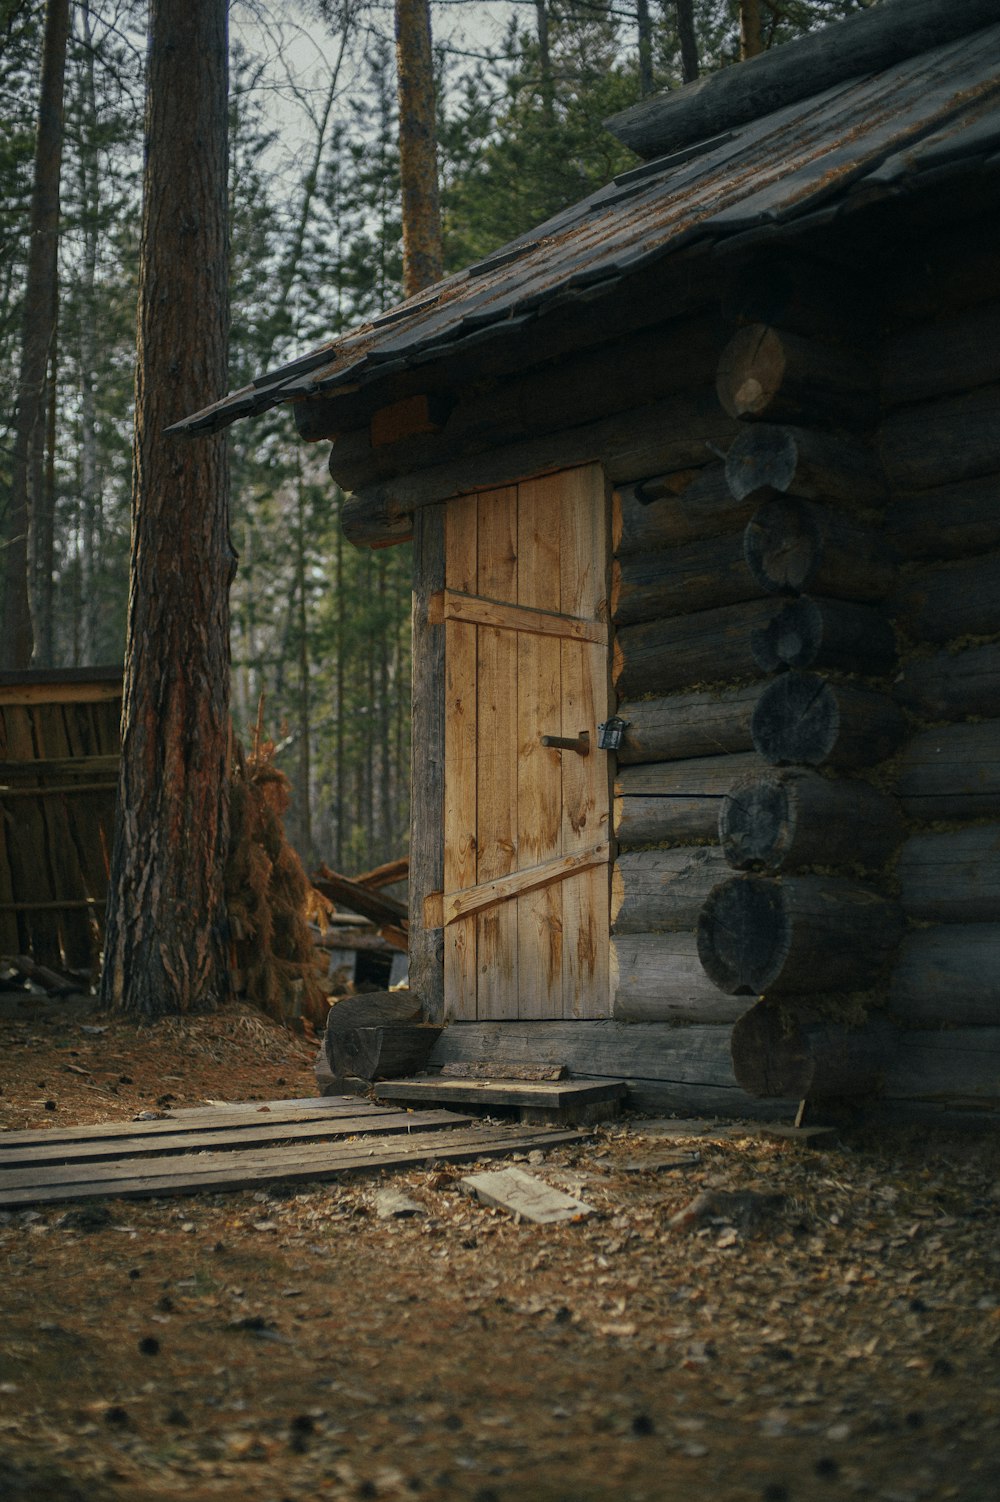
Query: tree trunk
[166, 944]
[751, 38]
[417, 146]
[688, 39]
[644, 30]
[40, 309]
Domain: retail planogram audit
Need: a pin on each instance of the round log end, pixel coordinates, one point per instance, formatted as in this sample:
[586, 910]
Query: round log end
[770, 1058]
[782, 544]
[751, 370]
[796, 719]
[792, 639]
[808, 1057]
[761, 460]
[754, 823]
[743, 935]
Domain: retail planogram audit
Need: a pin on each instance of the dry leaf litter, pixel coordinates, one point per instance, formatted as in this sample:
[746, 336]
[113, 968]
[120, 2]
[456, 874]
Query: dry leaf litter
[740, 1318]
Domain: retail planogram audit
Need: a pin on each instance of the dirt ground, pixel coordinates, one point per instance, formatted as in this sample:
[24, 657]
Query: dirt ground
[840, 1341]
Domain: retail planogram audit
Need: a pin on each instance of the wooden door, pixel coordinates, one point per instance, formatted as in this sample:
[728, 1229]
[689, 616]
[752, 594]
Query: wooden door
[526, 900]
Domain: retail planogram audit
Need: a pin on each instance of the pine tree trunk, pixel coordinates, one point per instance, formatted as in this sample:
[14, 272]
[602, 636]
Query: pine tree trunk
[40, 307]
[417, 146]
[90, 490]
[166, 942]
[690, 66]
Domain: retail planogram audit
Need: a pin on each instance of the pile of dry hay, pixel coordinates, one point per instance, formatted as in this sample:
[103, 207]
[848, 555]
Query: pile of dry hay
[270, 898]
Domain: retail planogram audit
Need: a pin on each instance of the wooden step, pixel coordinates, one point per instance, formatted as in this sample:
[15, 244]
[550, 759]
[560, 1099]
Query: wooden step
[557, 1101]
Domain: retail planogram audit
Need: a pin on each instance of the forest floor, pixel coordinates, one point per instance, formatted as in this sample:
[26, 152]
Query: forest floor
[841, 1342]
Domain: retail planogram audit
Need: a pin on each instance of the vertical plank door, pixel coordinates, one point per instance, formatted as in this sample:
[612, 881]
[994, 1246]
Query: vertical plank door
[526, 904]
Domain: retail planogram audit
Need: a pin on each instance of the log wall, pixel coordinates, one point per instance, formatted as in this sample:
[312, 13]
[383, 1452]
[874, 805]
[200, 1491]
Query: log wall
[939, 443]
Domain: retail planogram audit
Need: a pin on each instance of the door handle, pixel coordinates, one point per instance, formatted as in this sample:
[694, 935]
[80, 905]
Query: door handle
[581, 745]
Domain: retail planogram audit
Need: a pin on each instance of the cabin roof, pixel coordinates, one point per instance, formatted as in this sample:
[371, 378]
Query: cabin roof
[888, 134]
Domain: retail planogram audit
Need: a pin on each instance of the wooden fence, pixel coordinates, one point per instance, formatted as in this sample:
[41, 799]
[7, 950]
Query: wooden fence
[59, 748]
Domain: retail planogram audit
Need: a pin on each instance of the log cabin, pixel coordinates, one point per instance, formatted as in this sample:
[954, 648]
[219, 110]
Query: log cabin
[702, 478]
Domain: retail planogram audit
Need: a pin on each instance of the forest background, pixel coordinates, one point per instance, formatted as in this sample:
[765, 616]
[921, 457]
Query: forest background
[319, 628]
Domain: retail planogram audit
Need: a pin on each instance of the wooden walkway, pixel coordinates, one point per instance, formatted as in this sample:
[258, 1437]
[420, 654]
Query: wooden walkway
[236, 1147]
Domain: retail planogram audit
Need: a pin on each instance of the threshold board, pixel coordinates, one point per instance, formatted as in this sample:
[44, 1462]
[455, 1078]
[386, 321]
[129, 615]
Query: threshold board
[553, 1095]
[233, 1148]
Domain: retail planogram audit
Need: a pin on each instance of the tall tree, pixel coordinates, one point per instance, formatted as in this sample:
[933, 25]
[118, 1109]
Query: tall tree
[39, 322]
[418, 146]
[688, 39]
[166, 942]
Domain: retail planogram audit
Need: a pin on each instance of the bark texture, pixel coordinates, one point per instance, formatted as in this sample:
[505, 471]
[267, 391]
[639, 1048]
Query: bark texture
[40, 312]
[166, 946]
[417, 146]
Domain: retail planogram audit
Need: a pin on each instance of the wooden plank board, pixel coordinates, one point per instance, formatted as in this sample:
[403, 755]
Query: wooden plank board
[214, 1172]
[460, 730]
[554, 1094]
[585, 780]
[525, 1196]
[497, 977]
[539, 712]
[486, 610]
[25, 1160]
[28, 847]
[456, 905]
[224, 1117]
